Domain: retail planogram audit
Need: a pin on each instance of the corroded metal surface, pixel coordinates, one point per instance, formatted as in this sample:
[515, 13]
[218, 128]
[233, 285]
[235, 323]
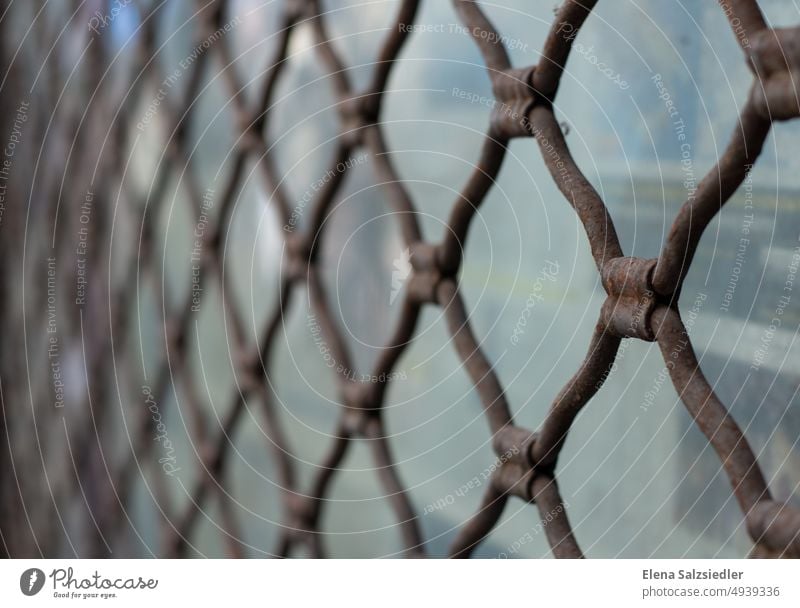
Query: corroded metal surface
[641, 304]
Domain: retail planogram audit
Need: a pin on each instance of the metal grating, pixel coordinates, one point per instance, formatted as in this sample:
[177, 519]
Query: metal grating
[641, 302]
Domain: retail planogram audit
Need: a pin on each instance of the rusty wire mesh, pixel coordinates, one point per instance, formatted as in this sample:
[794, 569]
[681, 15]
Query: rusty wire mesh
[641, 302]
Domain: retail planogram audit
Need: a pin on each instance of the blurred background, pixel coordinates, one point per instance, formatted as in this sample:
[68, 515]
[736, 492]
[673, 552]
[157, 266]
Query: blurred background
[86, 135]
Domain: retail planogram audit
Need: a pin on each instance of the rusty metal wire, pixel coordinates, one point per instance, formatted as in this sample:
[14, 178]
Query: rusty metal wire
[641, 303]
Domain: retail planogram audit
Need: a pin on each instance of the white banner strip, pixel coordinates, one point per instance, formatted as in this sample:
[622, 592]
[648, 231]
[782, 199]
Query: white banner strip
[400, 583]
